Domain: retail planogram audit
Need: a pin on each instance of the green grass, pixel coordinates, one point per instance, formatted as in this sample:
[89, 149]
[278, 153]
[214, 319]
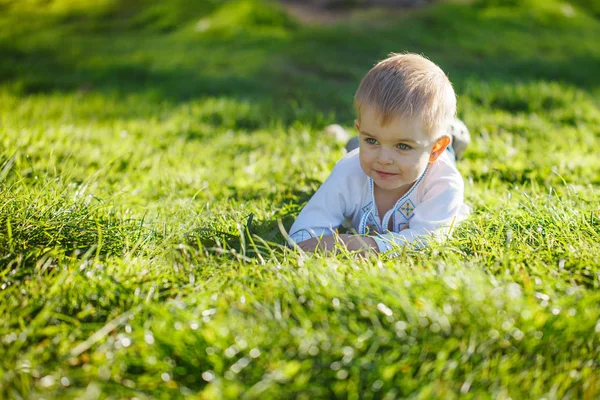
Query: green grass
[149, 151]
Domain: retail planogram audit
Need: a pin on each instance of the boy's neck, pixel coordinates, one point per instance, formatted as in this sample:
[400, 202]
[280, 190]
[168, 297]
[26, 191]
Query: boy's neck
[386, 199]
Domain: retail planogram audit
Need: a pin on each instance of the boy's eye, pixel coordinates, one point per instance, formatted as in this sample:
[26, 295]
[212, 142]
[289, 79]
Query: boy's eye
[403, 146]
[371, 140]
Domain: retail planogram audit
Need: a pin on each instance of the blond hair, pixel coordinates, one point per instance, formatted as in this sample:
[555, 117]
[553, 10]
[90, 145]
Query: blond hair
[408, 85]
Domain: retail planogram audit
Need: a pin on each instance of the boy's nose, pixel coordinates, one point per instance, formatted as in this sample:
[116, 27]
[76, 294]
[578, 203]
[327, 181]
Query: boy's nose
[385, 157]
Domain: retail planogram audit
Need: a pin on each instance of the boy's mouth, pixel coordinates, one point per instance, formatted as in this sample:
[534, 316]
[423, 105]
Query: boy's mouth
[384, 174]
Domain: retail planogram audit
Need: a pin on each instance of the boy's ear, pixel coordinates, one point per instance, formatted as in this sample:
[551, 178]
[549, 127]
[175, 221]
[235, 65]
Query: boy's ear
[357, 125]
[439, 147]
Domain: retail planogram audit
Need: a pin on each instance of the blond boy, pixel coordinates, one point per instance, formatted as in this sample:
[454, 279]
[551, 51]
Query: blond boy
[400, 185]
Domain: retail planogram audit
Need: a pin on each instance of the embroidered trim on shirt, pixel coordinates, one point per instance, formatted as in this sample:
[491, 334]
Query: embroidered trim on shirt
[368, 211]
[401, 226]
[405, 197]
[372, 203]
[414, 186]
[363, 222]
[407, 209]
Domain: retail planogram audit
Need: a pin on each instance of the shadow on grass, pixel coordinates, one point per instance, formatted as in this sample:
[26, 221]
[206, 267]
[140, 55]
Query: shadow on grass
[300, 73]
[255, 238]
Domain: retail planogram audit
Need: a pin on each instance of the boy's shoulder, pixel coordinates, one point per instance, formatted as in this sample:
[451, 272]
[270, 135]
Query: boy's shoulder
[444, 171]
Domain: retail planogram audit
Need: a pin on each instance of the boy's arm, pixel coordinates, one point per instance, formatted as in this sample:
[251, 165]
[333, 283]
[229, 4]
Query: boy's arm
[442, 206]
[324, 212]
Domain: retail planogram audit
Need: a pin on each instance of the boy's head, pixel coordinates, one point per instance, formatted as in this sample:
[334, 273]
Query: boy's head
[404, 106]
[409, 86]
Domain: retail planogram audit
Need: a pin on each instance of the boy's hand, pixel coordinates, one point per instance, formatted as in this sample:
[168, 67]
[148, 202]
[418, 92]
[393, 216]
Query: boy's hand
[328, 243]
[363, 244]
[325, 243]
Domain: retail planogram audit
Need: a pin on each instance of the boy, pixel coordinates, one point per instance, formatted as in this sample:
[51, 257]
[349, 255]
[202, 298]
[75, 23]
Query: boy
[401, 185]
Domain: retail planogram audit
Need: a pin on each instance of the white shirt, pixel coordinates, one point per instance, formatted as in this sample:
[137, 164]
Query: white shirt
[433, 204]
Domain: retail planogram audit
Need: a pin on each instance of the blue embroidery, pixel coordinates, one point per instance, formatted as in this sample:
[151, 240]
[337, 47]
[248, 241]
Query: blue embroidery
[363, 223]
[407, 193]
[416, 184]
[405, 199]
[401, 226]
[407, 209]
[368, 223]
[372, 223]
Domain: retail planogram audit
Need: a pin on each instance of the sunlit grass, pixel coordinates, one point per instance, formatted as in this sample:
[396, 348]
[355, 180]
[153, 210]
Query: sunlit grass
[150, 155]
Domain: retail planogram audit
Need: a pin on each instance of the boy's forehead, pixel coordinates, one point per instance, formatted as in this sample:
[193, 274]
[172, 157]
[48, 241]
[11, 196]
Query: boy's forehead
[396, 128]
[374, 115]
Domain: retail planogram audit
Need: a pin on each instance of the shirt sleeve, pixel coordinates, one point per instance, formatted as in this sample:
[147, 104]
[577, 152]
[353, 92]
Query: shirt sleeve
[326, 209]
[441, 207]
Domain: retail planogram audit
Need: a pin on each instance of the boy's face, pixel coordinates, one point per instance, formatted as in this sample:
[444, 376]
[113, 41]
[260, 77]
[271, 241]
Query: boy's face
[395, 155]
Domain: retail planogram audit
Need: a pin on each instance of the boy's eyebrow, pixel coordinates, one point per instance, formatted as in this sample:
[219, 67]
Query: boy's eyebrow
[399, 140]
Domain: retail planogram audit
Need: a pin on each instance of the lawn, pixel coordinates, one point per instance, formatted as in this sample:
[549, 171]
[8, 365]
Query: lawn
[152, 153]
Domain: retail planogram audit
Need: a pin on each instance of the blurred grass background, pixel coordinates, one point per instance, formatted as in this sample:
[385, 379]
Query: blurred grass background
[148, 148]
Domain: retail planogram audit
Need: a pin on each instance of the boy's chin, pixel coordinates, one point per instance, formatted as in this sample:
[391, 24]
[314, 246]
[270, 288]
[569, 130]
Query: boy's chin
[391, 185]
